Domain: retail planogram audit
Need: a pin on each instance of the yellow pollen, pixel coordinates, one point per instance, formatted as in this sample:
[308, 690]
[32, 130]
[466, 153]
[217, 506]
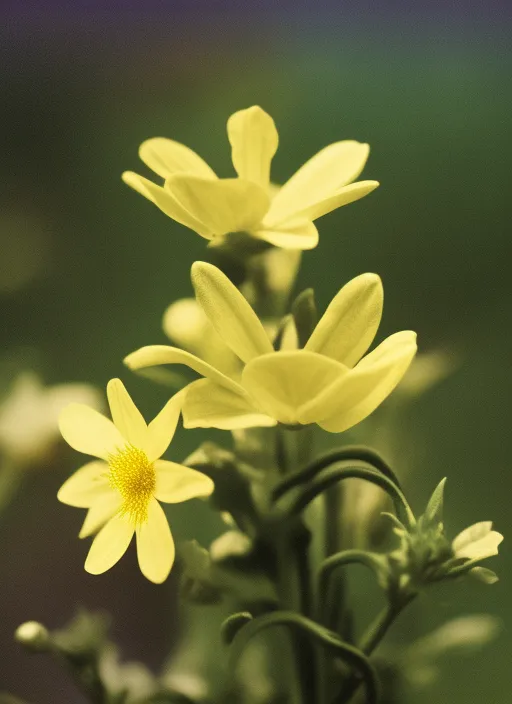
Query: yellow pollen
[133, 475]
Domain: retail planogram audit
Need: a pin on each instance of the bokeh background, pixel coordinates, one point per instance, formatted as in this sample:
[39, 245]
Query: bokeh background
[87, 267]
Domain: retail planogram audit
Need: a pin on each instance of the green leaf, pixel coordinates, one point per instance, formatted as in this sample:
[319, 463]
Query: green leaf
[484, 575]
[197, 580]
[305, 315]
[434, 512]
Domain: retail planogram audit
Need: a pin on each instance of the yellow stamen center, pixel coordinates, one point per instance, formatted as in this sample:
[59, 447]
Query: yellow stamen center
[133, 475]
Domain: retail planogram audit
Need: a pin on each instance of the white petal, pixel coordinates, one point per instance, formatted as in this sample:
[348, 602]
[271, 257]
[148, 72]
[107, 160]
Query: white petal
[109, 545]
[89, 432]
[155, 546]
[477, 542]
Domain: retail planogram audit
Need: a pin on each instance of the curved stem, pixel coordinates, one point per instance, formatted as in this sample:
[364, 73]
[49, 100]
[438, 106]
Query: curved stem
[351, 452]
[340, 472]
[347, 557]
[327, 639]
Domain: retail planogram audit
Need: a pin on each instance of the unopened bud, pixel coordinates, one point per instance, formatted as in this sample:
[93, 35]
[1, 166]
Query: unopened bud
[34, 636]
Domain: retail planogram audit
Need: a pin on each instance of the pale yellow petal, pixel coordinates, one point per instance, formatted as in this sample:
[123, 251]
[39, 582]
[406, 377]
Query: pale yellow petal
[478, 541]
[88, 431]
[224, 205]
[166, 157]
[102, 510]
[208, 405]
[166, 201]
[184, 323]
[319, 178]
[253, 138]
[162, 428]
[229, 312]
[296, 233]
[350, 323]
[282, 383]
[125, 414]
[154, 355]
[346, 195]
[365, 387]
[155, 546]
[176, 483]
[109, 545]
[85, 486]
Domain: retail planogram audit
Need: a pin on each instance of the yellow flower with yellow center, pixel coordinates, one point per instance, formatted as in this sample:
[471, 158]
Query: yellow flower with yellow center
[329, 382]
[193, 195]
[122, 489]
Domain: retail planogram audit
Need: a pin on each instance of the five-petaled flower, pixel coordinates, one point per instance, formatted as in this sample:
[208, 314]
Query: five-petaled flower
[329, 382]
[123, 487]
[194, 196]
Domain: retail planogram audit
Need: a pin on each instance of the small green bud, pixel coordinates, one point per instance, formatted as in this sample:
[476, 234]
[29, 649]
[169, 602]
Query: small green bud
[33, 636]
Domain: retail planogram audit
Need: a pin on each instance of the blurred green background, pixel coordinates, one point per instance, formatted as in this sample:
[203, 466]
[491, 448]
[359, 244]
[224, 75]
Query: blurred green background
[88, 267]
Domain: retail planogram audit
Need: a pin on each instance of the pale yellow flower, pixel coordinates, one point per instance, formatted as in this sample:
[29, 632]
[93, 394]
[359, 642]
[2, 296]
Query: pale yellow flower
[329, 382]
[122, 489]
[194, 196]
[478, 542]
[29, 416]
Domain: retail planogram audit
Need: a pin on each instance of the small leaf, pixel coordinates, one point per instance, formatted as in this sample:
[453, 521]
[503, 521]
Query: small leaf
[484, 575]
[434, 511]
[197, 581]
[305, 314]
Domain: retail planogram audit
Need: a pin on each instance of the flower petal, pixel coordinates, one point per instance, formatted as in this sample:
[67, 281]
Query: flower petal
[154, 355]
[282, 383]
[88, 431]
[167, 203]
[229, 312]
[208, 405]
[365, 387]
[297, 233]
[223, 206]
[319, 178]
[162, 428]
[478, 541]
[99, 513]
[346, 195]
[166, 157]
[350, 323]
[254, 139]
[125, 414]
[155, 546]
[176, 483]
[109, 545]
[85, 486]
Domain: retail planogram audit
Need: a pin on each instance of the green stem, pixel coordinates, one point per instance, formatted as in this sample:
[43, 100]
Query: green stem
[344, 454]
[327, 639]
[341, 472]
[371, 639]
[347, 557]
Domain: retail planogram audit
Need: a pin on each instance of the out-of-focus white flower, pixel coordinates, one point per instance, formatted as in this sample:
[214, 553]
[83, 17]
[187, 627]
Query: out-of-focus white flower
[29, 413]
